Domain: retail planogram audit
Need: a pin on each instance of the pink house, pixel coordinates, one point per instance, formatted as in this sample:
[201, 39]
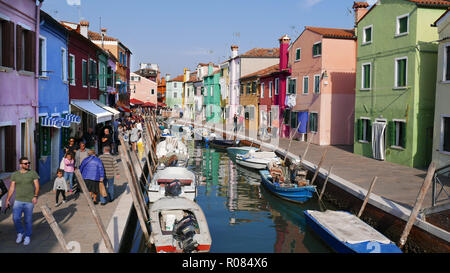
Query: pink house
[143, 89]
[321, 88]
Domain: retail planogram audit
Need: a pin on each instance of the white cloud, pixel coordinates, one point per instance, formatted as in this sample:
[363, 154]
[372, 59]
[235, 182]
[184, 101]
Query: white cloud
[73, 2]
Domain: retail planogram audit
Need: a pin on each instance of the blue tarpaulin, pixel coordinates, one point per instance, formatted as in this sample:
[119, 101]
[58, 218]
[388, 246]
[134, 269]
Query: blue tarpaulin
[303, 118]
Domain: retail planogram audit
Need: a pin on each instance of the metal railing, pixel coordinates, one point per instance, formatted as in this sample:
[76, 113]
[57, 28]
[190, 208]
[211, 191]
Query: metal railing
[441, 180]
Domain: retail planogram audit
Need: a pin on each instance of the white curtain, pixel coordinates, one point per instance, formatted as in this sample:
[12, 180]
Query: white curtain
[378, 131]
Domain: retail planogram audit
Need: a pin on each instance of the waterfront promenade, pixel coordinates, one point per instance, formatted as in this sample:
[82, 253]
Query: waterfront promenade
[74, 218]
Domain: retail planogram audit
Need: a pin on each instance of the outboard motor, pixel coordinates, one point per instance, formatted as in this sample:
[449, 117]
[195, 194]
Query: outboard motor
[173, 188]
[184, 232]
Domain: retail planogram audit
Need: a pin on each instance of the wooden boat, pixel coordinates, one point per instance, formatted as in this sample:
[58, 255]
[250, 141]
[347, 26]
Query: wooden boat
[163, 177]
[178, 225]
[346, 233]
[223, 143]
[290, 192]
[172, 152]
[256, 160]
[239, 150]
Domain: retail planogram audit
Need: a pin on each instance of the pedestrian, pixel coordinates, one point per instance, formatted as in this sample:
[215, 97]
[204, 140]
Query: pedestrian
[72, 146]
[134, 137]
[235, 119]
[115, 134]
[25, 183]
[107, 139]
[80, 155]
[93, 173]
[69, 168]
[60, 186]
[111, 170]
[89, 138]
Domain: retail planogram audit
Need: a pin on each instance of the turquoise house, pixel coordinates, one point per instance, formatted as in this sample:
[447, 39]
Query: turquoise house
[211, 95]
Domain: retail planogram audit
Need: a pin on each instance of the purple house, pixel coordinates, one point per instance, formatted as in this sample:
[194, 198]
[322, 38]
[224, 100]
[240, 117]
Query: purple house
[18, 81]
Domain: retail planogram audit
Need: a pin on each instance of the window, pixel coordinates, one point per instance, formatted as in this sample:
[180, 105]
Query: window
[297, 54]
[175, 85]
[262, 90]
[317, 49]
[93, 73]
[254, 87]
[313, 118]
[71, 69]
[110, 77]
[445, 134]
[84, 73]
[366, 76]
[202, 90]
[270, 89]
[367, 35]
[23, 138]
[446, 77]
[6, 44]
[364, 130]
[294, 119]
[64, 64]
[401, 72]
[174, 95]
[153, 91]
[241, 91]
[305, 84]
[292, 86]
[249, 86]
[397, 132]
[212, 91]
[25, 49]
[42, 57]
[316, 84]
[402, 25]
[277, 85]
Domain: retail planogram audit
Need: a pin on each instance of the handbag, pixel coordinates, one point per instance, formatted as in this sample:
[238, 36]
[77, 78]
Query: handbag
[62, 165]
[102, 189]
[3, 188]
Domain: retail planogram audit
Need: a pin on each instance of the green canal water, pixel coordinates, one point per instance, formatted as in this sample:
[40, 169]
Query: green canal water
[243, 217]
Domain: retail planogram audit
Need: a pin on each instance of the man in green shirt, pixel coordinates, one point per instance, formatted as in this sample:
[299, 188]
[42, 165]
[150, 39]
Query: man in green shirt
[25, 182]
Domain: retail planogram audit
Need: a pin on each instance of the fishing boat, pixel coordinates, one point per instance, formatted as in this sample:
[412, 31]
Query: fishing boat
[346, 233]
[287, 191]
[172, 152]
[178, 225]
[164, 177]
[256, 160]
[239, 150]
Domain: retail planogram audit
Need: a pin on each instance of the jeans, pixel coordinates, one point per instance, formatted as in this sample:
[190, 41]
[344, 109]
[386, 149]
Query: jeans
[69, 176]
[27, 209]
[109, 185]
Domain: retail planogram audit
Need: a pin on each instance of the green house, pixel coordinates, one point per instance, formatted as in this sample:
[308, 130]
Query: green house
[395, 81]
[211, 96]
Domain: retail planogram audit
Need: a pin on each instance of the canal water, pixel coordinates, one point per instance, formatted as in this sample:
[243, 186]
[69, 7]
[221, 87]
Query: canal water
[243, 217]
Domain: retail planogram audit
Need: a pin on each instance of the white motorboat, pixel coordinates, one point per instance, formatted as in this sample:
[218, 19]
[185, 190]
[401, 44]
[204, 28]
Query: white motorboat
[172, 152]
[164, 177]
[178, 225]
[233, 151]
[256, 160]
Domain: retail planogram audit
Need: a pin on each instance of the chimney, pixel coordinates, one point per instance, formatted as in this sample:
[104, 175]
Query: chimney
[84, 25]
[234, 51]
[103, 31]
[167, 77]
[360, 9]
[284, 52]
[188, 74]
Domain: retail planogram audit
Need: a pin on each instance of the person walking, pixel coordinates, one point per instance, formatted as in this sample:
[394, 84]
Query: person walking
[60, 186]
[25, 183]
[111, 170]
[71, 147]
[134, 137]
[89, 138]
[69, 168]
[235, 119]
[93, 173]
[80, 155]
[107, 139]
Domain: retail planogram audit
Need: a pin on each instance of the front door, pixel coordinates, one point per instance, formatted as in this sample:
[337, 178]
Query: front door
[378, 140]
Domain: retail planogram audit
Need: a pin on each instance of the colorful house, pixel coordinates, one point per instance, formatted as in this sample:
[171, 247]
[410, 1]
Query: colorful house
[143, 89]
[396, 81]
[321, 85]
[224, 82]
[211, 99]
[19, 82]
[189, 94]
[162, 91]
[441, 139]
[174, 93]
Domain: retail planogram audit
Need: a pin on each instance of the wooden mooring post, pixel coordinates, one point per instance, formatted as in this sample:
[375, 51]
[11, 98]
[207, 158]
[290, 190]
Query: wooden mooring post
[367, 196]
[322, 159]
[54, 226]
[325, 183]
[419, 200]
[306, 151]
[94, 212]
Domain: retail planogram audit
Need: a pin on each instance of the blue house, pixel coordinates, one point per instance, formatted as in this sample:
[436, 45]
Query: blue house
[55, 73]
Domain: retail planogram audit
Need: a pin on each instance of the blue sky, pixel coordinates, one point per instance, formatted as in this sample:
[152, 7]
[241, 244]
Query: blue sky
[177, 34]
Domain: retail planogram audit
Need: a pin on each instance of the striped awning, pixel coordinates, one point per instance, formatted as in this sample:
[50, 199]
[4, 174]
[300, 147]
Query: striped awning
[51, 122]
[73, 118]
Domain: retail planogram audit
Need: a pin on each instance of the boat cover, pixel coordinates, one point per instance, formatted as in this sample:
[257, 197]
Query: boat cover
[347, 227]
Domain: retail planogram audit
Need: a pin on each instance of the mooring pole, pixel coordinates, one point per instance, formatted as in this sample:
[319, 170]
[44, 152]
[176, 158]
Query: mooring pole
[320, 164]
[54, 225]
[367, 196]
[325, 183]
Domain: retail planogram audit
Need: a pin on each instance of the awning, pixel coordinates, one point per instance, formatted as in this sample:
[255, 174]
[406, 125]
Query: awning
[135, 101]
[124, 109]
[162, 104]
[51, 122]
[148, 104]
[73, 118]
[115, 113]
[91, 108]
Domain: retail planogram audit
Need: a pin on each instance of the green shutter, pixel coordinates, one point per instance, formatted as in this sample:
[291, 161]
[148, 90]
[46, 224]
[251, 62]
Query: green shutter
[297, 54]
[369, 130]
[359, 128]
[401, 73]
[368, 34]
[403, 25]
[366, 76]
[404, 132]
[391, 129]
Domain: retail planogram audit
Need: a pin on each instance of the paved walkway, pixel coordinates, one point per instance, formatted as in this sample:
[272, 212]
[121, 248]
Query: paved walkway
[74, 219]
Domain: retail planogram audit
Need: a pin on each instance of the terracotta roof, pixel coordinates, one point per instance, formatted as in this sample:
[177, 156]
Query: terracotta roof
[440, 3]
[263, 72]
[192, 78]
[263, 52]
[360, 5]
[177, 79]
[98, 37]
[333, 32]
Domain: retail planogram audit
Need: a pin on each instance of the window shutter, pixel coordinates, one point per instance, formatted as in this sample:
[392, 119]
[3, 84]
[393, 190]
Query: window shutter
[403, 134]
[447, 76]
[19, 48]
[391, 129]
[369, 130]
[360, 128]
[32, 50]
[10, 149]
[8, 44]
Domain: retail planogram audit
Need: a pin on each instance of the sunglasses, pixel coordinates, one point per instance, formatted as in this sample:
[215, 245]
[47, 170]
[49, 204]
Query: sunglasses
[26, 163]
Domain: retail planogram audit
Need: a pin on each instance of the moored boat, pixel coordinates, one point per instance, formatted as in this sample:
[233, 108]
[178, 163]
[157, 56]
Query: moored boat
[164, 177]
[178, 225]
[346, 233]
[287, 191]
[223, 143]
[240, 150]
[172, 152]
[256, 160]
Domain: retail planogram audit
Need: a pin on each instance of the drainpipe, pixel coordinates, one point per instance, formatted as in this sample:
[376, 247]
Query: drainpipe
[36, 80]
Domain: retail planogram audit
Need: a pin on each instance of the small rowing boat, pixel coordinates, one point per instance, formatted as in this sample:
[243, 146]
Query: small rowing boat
[163, 178]
[256, 160]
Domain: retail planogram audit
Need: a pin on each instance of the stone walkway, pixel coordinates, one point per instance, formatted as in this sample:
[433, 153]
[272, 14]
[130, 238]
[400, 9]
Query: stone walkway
[74, 219]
